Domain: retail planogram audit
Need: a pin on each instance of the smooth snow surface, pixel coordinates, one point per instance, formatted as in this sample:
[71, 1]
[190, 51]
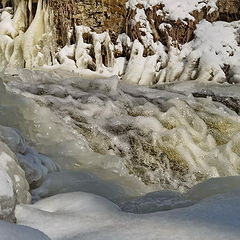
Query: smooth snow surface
[17, 232]
[86, 216]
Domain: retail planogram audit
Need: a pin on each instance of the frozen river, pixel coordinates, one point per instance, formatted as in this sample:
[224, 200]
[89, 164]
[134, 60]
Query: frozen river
[128, 162]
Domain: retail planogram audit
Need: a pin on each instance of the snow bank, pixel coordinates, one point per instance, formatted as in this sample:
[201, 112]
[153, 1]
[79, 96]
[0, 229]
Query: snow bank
[87, 216]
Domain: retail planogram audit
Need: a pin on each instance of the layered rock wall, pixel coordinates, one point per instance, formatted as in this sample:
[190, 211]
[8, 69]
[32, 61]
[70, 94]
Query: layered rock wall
[99, 15]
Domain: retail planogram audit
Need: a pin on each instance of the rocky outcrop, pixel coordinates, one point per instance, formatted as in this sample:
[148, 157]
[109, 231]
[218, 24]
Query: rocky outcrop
[162, 41]
[229, 10]
[99, 15]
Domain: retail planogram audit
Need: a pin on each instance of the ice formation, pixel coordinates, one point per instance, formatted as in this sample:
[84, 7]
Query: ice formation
[152, 52]
[24, 40]
[162, 136]
[165, 137]
[21, 167]
[14, 187]
[35, 165]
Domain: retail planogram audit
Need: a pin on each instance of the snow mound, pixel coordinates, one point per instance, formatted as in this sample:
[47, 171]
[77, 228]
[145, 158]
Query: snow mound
[87, 216]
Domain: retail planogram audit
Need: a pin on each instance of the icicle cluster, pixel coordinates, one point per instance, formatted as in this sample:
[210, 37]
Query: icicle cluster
[24, 39]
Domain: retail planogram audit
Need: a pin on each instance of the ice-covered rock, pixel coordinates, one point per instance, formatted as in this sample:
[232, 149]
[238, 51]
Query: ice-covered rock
[14, 186]
[35, 165]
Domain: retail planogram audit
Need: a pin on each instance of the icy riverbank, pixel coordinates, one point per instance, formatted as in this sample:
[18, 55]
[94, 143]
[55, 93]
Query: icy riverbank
[121, 142]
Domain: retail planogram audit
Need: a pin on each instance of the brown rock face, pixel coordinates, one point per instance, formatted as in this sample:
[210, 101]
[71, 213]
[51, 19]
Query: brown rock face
[179, 32]
[112, 16]
[229, 10]
[99, 15]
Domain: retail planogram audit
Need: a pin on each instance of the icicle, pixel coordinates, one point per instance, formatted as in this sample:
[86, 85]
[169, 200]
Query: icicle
[136, 64]
[30, 11]
[6, 49]
[83, 59]
[109, 48]
[16, 59]
[20, 16]
[98, 52]
[15, 4]
[191, 65]
[149, 72]
[33, 35]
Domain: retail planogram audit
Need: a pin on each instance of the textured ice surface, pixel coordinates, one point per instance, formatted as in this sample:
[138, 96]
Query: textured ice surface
[155, 201]
[87, 216]
[164, 135]
[56, 138]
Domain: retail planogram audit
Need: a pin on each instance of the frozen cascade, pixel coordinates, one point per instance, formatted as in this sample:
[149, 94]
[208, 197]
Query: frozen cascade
[120, 142]
[48, 135]
[165, 138]
[97, 158]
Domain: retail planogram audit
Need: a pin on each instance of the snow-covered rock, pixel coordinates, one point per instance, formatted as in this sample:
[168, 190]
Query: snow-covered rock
[14, 186]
